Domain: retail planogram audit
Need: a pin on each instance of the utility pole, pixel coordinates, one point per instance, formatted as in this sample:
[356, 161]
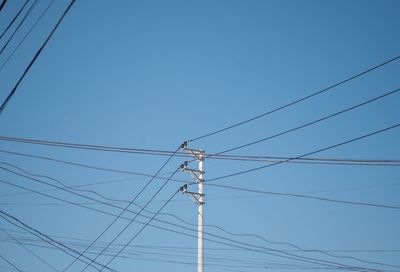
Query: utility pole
[198, 198]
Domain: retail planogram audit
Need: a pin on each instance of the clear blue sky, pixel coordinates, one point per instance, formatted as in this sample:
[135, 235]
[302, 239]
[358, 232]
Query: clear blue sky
[151, 74]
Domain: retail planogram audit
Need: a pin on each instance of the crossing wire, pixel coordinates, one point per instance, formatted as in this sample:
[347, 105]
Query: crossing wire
[306, 154]
[298, 100]
[141, 230]
[151, 152]
[137, 214]
[312, 122]
[129, 204]
[30, 251]
[258, 248]
[66, 249]
[257, 236]
[2, 107]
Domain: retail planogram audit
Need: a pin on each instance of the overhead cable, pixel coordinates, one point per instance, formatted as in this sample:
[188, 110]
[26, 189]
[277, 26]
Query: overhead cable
[13, 20]
[66, 249]
[312, 122]
[26, 35]
[306, 154]
[2, 107]
[307, 197]
[298, 100]
[19, 25]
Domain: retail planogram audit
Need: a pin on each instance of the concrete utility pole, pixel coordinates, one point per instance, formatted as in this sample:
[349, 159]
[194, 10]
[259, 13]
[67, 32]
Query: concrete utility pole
[198, 198]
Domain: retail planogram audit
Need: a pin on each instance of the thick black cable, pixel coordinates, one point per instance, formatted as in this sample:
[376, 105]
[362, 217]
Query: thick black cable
[129, 204]
[19, 25]
[34, 58]
[307, 197]
[57, 244]
[13, 20]
[26, 35]
[30, 251]
[2, 5]
[305, 155]
[143, 227]
[10, 263]
[312, 122]
[298, 100]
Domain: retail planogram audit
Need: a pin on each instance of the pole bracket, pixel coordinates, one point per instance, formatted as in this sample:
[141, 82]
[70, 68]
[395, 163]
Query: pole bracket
[193, 195]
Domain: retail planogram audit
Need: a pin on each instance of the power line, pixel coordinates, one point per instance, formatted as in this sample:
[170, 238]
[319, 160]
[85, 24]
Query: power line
[298, 100]
[26, 34]
[258, 248]
[212, 261]
[270, 193]
[305, 155]
[2, 5]
[144, 226]
[307, 196]
[214, 226]
[30, 251]
[19, 25]
[218, 156]
[86, 165]
[93, 147]
[34, 58]
[13, 20]
[312, 122]
[10, 218]
[102, 203]
[10, 263]
[249, 190]
[129, 204]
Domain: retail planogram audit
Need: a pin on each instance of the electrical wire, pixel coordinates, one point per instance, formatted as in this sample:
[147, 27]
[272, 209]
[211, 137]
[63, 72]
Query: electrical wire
[219, 228]
[251, 158]
[19, 25]
[240, 246]
[2, 107]
[10, 218]
[306, 154]
[10, 263]
[298, 100]
[74, 241]
[13, 20]
[87, 166]
[30, 251]
[211, 261]
[26, 34]
[2, 5]
[144, 226]
[307, 197]
[312, 122]
[130, 203]
[94, 147]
